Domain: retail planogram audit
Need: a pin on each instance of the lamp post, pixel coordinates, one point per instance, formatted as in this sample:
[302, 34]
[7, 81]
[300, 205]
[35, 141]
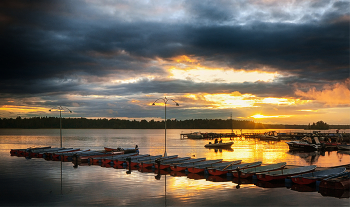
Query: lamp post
[165, 100]
[60, 108]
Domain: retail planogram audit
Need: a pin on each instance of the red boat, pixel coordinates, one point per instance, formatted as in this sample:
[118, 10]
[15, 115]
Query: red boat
[189, 164]
[178, 168]
[225, 170]
[201, 168]
[134, 162]
[109, 159]
[282, 174]
[56, 155]
[247, 173]
[341, 181]
[312, 177]
[85, 158]
[167, 163]
[123, 160]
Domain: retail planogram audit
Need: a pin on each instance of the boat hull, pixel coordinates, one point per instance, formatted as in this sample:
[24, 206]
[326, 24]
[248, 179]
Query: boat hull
[219, 145]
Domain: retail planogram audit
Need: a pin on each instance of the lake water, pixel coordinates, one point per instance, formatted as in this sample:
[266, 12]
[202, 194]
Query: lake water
[37, 182]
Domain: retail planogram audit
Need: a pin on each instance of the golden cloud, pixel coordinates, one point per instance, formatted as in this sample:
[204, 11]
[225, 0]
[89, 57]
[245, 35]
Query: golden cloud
[332, 95]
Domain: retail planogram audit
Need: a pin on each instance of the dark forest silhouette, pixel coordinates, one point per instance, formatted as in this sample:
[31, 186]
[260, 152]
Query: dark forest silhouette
[84, 123]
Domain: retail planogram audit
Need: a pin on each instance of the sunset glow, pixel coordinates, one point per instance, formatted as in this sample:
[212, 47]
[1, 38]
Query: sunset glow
[273, 58]
[202, 75]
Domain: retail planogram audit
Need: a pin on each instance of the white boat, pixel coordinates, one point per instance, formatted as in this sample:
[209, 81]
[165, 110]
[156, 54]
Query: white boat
[271, 135]
[219, 145]
[306, 144]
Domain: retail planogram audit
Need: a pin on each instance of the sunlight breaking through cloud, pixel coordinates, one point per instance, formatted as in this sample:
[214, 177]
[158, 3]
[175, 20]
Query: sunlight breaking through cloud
[203, 75]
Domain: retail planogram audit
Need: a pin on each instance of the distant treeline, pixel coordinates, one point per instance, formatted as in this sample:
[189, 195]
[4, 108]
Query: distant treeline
[84, 123]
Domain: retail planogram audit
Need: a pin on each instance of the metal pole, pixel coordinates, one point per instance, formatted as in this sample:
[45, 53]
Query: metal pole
[165, 100]
[60, 128]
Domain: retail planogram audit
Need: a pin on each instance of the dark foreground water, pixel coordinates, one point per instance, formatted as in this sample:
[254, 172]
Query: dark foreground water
[37, 182]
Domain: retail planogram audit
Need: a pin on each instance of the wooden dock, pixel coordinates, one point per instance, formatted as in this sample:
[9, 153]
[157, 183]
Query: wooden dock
[210, 135]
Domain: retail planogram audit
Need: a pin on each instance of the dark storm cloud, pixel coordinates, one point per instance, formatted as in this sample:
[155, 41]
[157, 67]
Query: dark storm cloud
[263, 89]
[42, 41]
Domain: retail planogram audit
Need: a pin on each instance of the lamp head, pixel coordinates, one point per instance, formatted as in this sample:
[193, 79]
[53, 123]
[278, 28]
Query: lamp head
[153, 104]
[177, 104]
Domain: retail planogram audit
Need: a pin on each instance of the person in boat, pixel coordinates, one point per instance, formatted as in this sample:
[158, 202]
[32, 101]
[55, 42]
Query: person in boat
[216, 141]
[220, 141]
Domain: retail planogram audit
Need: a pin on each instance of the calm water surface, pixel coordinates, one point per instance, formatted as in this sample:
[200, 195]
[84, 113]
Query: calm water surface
[37, 182]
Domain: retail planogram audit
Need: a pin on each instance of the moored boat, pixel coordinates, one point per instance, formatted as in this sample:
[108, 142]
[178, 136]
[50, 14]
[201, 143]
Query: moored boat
[167, 163]
[184, 166]
[109, 159]
[55, 154]
[284, 173]
[312, 177]
[135, 161]
[120, 161]
[202, 168]
[219, 145]
[119, 149]
[340, 181]
[225, 170]
[246, 173]
[175, 166]
[269, 136]
[150, 163]
[109, 154]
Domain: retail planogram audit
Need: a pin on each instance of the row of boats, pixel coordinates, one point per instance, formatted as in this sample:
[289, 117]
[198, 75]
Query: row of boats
[69, 154]
[337, 178]
[313, 144]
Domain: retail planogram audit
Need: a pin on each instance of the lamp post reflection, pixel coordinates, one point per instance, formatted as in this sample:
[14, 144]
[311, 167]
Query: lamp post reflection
[60, 108]
[165, 100]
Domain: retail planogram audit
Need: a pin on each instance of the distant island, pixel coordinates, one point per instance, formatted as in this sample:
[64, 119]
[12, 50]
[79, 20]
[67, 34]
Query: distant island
[84, 123]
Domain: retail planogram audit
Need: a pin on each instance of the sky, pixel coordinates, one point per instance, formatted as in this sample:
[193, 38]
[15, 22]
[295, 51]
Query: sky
[269, 61]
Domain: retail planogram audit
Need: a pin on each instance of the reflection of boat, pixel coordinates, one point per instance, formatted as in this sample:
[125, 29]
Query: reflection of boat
[195, 176]
[266, 184]
[214, 178]
[282, 174]
[312, 177]
[344, 152]
[303, 188]
[220, 149]
[338, 193]
[162, 172]
[309, 157]
[146, 170]
[340, 181]
[178, 173]
[242, 181]
[246, 173]
[343, 147]
[195, 135]
[219, 145]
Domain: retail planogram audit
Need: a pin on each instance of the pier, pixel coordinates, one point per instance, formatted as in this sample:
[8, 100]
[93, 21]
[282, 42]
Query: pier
[281, 136]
